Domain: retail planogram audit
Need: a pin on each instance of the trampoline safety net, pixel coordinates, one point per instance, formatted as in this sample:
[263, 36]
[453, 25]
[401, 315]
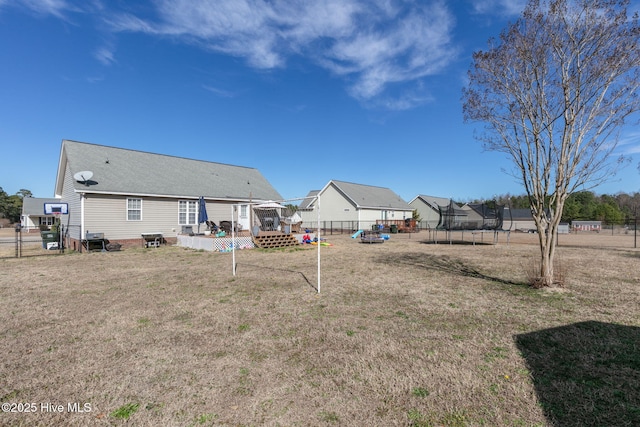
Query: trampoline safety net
[473, 216]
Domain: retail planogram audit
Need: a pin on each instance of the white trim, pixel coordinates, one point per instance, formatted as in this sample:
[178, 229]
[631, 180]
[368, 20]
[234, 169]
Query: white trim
[171, 196]
[82, 198]
[187, 212]
[127, 209]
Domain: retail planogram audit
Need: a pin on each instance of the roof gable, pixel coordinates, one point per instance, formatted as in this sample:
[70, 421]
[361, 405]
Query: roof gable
[435, 202]
[307, 202]
[123, 171]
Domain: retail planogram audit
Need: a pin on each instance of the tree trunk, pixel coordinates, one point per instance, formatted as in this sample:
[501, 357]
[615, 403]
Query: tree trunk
[548, 236]
[546, 261]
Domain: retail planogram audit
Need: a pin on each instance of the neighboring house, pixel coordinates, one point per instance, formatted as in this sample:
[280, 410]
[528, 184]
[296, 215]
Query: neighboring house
[484, 216]
[428, 208]
[307, 202]
[522, 220]
[586, 226]
[33, 216]
[357, 204]
[133, 192]
[518, 220]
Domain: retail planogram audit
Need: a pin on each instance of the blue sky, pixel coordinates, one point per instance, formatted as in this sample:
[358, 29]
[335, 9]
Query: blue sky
[304, 91]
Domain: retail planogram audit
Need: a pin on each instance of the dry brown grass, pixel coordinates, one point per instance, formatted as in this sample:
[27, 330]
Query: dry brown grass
[403, 333]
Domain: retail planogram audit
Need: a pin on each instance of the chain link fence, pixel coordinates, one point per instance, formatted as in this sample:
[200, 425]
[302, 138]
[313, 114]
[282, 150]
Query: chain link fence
[16, 242]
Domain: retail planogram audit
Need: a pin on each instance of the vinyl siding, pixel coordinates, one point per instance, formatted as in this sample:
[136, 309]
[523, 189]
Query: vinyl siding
[518, 225]
[334, 206]
[72, 198]
[108, 215]
[428, 215]
[218, 212]
[372, 215]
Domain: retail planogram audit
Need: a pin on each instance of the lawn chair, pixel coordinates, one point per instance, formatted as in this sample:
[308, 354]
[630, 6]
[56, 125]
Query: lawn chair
[225, 226]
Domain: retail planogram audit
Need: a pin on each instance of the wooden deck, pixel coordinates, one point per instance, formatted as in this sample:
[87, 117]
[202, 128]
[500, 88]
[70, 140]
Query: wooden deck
[274, 239]
[401, 225]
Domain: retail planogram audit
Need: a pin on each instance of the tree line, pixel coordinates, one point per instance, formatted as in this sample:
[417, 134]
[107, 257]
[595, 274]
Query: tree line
[619, 209]
[11, 206]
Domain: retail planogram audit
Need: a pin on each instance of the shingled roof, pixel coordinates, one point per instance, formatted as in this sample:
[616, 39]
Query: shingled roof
[35, 205]
[131, 172]
[307, 202]
[435, 202]
[371, 197]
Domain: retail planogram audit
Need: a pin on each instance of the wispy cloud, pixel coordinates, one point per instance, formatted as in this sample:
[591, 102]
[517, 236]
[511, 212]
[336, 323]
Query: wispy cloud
[629, 143]
[498, 7]
[371, 44]
[220, 92]
[57, 8]
[105, 55]
[375, 46]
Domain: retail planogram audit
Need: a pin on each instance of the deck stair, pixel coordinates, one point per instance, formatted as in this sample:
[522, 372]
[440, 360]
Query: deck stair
[274, 239]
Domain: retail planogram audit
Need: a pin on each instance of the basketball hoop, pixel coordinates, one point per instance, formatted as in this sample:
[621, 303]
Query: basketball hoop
[56, 208]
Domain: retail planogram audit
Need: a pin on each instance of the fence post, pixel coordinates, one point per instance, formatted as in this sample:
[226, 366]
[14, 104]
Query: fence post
[61, 239]
[18, 241]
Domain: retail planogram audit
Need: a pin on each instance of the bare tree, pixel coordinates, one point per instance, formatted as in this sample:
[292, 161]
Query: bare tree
[553, 92]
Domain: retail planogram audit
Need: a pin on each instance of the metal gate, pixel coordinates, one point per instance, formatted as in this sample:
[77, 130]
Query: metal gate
[17, 243]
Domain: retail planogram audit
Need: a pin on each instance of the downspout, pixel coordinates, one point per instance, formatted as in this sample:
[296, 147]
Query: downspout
[82, 197]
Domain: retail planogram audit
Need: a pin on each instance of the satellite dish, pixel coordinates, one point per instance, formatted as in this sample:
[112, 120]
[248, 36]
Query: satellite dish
[83, 177]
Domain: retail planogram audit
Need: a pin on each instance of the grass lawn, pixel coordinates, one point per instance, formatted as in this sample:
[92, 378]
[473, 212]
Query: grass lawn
[403, 333]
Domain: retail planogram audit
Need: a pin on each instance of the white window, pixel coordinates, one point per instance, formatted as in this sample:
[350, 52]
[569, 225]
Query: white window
[134, 209]
[243, 211]
[46, 220]
[187, 212]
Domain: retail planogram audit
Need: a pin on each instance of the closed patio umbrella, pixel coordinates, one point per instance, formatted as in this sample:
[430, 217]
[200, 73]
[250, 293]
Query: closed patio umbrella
[202, 212]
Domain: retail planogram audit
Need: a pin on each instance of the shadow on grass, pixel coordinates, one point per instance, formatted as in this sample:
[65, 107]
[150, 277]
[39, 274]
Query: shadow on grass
[456, 242]
[586, 374]
[278, 269]
[34, 254]
[633, 254]
[441, 263]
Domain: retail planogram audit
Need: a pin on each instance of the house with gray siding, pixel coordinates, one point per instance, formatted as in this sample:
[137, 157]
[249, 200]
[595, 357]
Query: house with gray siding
[353, 206]
[134, 192]
[428, 208]
[518, 220]
[33, 216]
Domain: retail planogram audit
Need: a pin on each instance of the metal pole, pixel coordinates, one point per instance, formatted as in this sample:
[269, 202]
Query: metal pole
[233, 241]
[18, 241]
[318, 236]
